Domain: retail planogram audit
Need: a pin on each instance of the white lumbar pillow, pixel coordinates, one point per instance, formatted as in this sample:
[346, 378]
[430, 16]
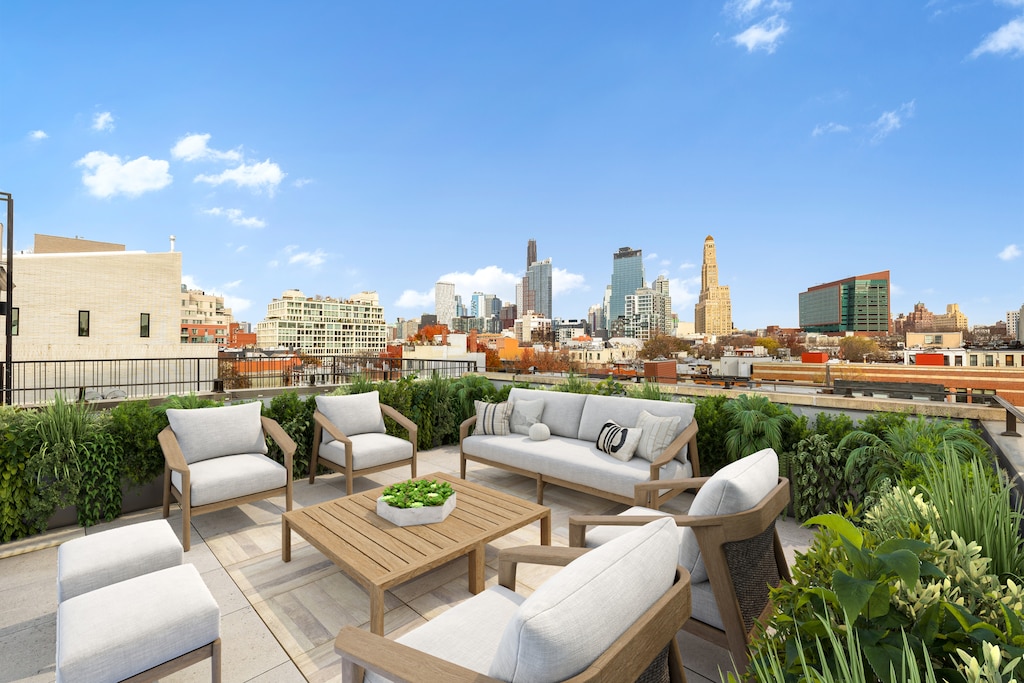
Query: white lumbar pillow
[539, 431]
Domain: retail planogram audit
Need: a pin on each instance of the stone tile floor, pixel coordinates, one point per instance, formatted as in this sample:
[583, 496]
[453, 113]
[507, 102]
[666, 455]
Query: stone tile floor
[278, 620]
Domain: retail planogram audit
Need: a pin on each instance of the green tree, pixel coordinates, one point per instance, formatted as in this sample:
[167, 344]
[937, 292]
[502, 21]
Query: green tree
[662, 346]
[859, 349]
[756, 423]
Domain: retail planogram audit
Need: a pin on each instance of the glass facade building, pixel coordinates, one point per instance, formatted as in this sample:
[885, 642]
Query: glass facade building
[856, 304]
[627, 277]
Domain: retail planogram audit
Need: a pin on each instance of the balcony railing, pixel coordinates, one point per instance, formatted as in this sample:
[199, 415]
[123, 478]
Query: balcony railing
[37, 382]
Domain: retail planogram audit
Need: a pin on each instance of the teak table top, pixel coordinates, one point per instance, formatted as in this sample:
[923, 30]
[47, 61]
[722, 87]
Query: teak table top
[380, 555]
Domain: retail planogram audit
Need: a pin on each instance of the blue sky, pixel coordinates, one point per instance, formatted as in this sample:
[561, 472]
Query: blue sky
[336, 147]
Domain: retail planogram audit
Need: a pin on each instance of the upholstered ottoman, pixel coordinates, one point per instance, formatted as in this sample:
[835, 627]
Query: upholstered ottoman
[151, 625]
[100, 559]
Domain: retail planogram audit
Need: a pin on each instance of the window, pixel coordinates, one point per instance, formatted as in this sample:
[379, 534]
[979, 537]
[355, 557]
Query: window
[15, 319]
[144, 324]
[989, 360]
[83, 323]
[974, 360]
[1009, 359]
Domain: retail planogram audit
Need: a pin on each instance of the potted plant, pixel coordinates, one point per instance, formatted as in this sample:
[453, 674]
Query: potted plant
[416, 501]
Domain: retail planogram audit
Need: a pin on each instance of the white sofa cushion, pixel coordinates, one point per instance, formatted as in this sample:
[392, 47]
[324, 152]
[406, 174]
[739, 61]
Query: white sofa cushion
[231, 476]
[368, 450]
[576, 615]
[626, 411]
[492, 418]
[115, 632]
[562, 410]
[738, 486]
[467, 634]
[525, 414]
[705, 607]
[571, 460]
[657, 434]
[100, 559]
[352, 414]
[204, 433]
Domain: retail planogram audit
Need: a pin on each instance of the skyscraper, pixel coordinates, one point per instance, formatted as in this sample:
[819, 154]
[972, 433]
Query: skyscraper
[856, 304]
[444, 302]
[531, 253]
[627, 277]
[713, 311]
[533, 293]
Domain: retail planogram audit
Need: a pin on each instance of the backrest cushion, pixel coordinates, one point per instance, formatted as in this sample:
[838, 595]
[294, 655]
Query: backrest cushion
[658, 433]
[737, 487]
[562, 411]
[567, 623]
[618, 441]
[352, 414]
[205, 433]
[492, 418]
[626, 411]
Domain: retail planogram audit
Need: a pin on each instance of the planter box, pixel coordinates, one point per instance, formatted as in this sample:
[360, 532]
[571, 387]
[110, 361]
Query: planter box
[430, 514]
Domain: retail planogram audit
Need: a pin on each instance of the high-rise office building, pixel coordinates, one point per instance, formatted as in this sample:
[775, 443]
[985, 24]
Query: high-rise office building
[444, 302]
[713, 312]
[531, 253]
[856, 304]
[627, 277]
[476, 305]
[533, 292]
[1013, 323]
[665, 300]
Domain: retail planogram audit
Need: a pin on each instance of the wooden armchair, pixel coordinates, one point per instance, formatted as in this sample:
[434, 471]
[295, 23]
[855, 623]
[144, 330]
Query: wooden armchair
[215, 458]
[349, 437]
[471, 638]
[734, 556]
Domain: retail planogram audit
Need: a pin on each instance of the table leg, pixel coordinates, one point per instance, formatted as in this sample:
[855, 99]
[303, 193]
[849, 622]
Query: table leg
[545, 529]
[377, 610]
[286, 540]
[476, 568]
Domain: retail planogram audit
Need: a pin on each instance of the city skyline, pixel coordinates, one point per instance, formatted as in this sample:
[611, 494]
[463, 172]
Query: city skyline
[388, 148]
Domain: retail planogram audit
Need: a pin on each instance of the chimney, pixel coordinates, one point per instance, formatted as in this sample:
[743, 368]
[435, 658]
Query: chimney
[172, 242]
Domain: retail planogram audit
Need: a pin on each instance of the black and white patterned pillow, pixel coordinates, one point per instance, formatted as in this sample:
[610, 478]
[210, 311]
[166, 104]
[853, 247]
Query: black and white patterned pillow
[492, 418]
[618, 441]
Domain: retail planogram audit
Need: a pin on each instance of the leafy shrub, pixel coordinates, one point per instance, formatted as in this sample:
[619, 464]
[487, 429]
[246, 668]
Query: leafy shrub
[755, 423]
[649, 390]
[607, 387]
[834, 427]
[469, 389]
[574, 384]
[295, 415]
[818, 477]
[17, 489]
[99, 498]
[134, 425]
[712, 426]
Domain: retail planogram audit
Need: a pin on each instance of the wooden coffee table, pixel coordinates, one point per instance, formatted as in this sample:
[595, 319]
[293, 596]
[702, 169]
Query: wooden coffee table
[379, 555]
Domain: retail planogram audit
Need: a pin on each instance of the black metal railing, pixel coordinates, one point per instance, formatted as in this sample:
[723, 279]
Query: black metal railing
[37, 382]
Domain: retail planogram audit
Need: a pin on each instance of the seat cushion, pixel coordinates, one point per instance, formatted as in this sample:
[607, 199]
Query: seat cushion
[599, 535]
[368, 450]
[705, 607]
[738, 486]
[352, 414]
[100, 559]
[626, 411]
[123, 629]
[571, 460]
[205, 433]
[467, 634]
[232, 476]
[562, 411]
[579, 613]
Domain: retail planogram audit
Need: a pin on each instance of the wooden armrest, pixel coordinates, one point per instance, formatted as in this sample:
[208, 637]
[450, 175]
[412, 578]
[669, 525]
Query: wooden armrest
[578, 524]
[173, 456]
[510, 558]
[672, 450]
[329, 427]
[644, 491]
[395, 661]
[286, 443]
[464, 427]
[402, 420]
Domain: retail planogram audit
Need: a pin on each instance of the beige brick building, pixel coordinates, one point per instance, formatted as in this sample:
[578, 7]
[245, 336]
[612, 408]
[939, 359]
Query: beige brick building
[324, 325]
[204, 319]
[713, 311]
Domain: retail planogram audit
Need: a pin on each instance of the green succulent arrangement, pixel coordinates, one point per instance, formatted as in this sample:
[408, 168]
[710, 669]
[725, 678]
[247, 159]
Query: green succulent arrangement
[417, 493]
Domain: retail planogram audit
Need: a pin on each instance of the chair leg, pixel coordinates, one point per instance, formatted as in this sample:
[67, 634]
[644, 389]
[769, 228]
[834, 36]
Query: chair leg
[215, 662]
[167, 492]
[186, 528]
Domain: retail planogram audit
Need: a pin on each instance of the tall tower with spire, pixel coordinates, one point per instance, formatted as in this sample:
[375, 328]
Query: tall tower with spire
[713, 311]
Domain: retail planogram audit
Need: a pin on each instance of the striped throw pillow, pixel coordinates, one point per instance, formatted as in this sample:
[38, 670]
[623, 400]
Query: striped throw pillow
[658, 433]
[617, 441]
[492, 418]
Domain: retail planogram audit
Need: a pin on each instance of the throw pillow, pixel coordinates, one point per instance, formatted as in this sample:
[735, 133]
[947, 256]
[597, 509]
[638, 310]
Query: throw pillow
[658, 433]
[539, 432]
[492, 418]
[617, 441]
[525, 414]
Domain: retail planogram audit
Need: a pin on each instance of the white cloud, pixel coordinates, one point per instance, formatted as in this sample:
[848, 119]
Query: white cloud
[37, 135]
[651, 256]
[273, 263]
[240, 249]
[264, 175]
[410, 298]
[301, 182]
[237, 304]
[665, 263]
[1007, 39]
[687, 266]
[490, 280]
[104, 121]
[236, 217]
[106, 175]
[1011, 252]
[823, 128]
[193, 147]
[312, 259]
[764, 35]
[684, 293]
[744, 9]
[233, 284]
[891, 120]
[562, 282]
